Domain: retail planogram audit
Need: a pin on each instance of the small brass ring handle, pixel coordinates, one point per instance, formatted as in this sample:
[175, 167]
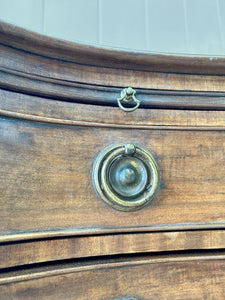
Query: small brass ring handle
[128, 95]
[125, 176]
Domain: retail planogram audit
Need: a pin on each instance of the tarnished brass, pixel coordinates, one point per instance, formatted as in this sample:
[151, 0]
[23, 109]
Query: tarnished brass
[125, 176]
[128, 176]
[128, 95]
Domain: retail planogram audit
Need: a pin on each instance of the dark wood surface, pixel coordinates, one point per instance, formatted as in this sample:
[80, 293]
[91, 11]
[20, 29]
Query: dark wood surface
[175, 277]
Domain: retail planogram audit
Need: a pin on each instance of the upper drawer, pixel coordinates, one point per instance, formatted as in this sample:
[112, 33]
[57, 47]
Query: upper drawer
[46, 167]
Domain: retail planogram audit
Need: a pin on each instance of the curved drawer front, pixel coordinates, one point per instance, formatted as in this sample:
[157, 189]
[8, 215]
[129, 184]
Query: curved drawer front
[177, 277]
[46, 179]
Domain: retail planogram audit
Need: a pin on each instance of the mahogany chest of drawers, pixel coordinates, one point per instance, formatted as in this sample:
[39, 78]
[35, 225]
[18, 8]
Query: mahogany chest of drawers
[112, 177]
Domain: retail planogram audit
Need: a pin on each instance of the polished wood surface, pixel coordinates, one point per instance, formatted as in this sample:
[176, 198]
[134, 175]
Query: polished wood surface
[53, 71]
[58, 107]
[47, 46]
[102, 95]
[40, 251]
[32, 108]
[34, 63]
[175, 277]
[48, 179]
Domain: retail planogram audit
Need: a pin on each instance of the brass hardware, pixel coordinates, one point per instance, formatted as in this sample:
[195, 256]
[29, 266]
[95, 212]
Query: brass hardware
[125, 176]
[128, 176]
[128, 95]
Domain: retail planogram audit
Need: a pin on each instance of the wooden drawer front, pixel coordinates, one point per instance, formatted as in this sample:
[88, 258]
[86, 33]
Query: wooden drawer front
[157, 278]
[46, 179]
[57, 249]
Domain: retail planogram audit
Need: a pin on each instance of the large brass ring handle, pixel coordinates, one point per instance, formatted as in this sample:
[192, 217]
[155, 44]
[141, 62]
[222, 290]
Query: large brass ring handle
[128, 95]
[125, 176]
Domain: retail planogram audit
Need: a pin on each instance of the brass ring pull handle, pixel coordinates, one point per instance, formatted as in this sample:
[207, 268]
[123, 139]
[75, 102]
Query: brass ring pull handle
[128, 95]
[125, 176]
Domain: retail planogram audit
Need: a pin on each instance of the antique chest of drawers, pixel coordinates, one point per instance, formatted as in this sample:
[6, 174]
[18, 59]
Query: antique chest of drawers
[112, 177]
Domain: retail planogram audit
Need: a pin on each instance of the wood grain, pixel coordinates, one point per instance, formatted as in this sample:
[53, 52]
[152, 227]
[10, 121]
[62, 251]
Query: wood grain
[46, 180]
[26, 56]
[33, 108]
[47, 151]
[54, 48]
[181, 277]
[30, 252]
[44, 67]
[106, 95]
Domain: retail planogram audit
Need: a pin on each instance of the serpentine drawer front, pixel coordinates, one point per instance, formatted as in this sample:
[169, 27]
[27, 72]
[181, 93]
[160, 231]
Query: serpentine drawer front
[172, 277]
[51, 182]
[111, 162]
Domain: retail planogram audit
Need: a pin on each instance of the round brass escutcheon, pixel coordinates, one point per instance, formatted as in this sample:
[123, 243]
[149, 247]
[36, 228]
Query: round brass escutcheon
[125, 176]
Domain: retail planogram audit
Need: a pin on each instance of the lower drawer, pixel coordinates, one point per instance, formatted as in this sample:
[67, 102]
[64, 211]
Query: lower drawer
[175, 277]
